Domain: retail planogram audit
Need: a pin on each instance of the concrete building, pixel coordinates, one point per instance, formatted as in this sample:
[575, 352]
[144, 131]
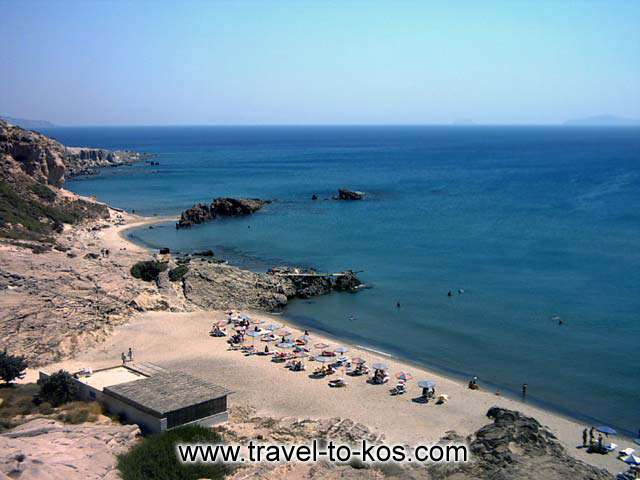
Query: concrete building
[152, 397]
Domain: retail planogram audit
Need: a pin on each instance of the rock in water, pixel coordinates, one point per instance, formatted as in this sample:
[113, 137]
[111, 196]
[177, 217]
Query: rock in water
[348, 282]
[220, 207]
[346, 194]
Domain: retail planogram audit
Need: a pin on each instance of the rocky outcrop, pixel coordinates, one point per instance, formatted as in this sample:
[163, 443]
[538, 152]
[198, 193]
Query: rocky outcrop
[45, 448]
[515, 446]
[87, 161]
[307, 282]
[219, 207]
[210, 284]
[346, 194]
[219, 286]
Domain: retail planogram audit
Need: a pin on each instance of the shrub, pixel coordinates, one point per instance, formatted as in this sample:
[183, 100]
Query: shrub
[12, 367]
[44, 192]
[176, 274]
[45, 408]
[155, 457]
[80, 412]
[148, 270]
[58, 389]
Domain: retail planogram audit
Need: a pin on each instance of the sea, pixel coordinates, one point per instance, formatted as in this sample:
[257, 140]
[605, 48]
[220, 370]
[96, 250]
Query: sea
[535, 231]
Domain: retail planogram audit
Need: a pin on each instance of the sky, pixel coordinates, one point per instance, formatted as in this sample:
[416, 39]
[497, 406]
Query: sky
[322, 62]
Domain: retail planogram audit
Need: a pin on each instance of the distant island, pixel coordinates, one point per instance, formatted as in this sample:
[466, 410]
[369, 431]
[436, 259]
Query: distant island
[28, 123]
[603, 121]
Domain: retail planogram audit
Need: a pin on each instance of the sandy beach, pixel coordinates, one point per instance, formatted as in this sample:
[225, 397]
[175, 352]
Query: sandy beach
[180, 341]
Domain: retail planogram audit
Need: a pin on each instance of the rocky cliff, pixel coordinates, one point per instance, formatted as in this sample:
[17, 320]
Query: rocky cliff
[32, 168]
[87, 161]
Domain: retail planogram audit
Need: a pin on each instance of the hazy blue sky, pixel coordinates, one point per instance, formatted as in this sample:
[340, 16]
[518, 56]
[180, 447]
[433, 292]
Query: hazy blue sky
[117, 62]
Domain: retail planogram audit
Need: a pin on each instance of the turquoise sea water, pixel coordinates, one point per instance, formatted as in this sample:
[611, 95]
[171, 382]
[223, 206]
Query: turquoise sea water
[531, 222]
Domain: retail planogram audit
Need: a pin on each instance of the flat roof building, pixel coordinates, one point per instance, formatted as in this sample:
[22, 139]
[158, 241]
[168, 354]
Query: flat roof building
[154, 398]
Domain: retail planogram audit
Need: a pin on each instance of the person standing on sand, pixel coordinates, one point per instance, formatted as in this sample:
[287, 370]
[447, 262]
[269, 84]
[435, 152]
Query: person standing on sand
[591, 436]
[123, 357]
[130, 354]
[584, 437]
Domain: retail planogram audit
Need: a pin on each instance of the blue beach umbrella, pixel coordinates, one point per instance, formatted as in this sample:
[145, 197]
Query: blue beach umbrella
[341, 349]
[274, 326]
[427, 384]
[322, 359]
[606, 430]
[380, 366]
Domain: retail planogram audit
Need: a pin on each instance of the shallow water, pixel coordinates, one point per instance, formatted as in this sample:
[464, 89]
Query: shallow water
[532, 223]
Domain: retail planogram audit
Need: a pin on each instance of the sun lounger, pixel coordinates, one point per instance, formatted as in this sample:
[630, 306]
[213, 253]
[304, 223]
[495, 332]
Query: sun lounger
[338, 382]
[399, 389]
[626, 452]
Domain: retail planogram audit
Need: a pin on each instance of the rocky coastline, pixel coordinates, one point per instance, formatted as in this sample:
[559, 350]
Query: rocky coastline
[81, 161]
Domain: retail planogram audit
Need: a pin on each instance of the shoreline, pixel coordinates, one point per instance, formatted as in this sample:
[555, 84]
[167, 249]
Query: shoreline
[443, 371]
[565, 426]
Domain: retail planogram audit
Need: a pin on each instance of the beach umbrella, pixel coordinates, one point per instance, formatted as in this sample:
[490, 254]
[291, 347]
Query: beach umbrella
[632, 460]
[306, 338]
[274, 326]
[284, 344]
[286, 333]
[302, 354]
[341, 349]
[221, 323]
[404, 376]
[253, 334]
[321, 345]
[380, 366]
[267, 338]
[606, 430]
[321, 359]
[358, 360]
[426, 384]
